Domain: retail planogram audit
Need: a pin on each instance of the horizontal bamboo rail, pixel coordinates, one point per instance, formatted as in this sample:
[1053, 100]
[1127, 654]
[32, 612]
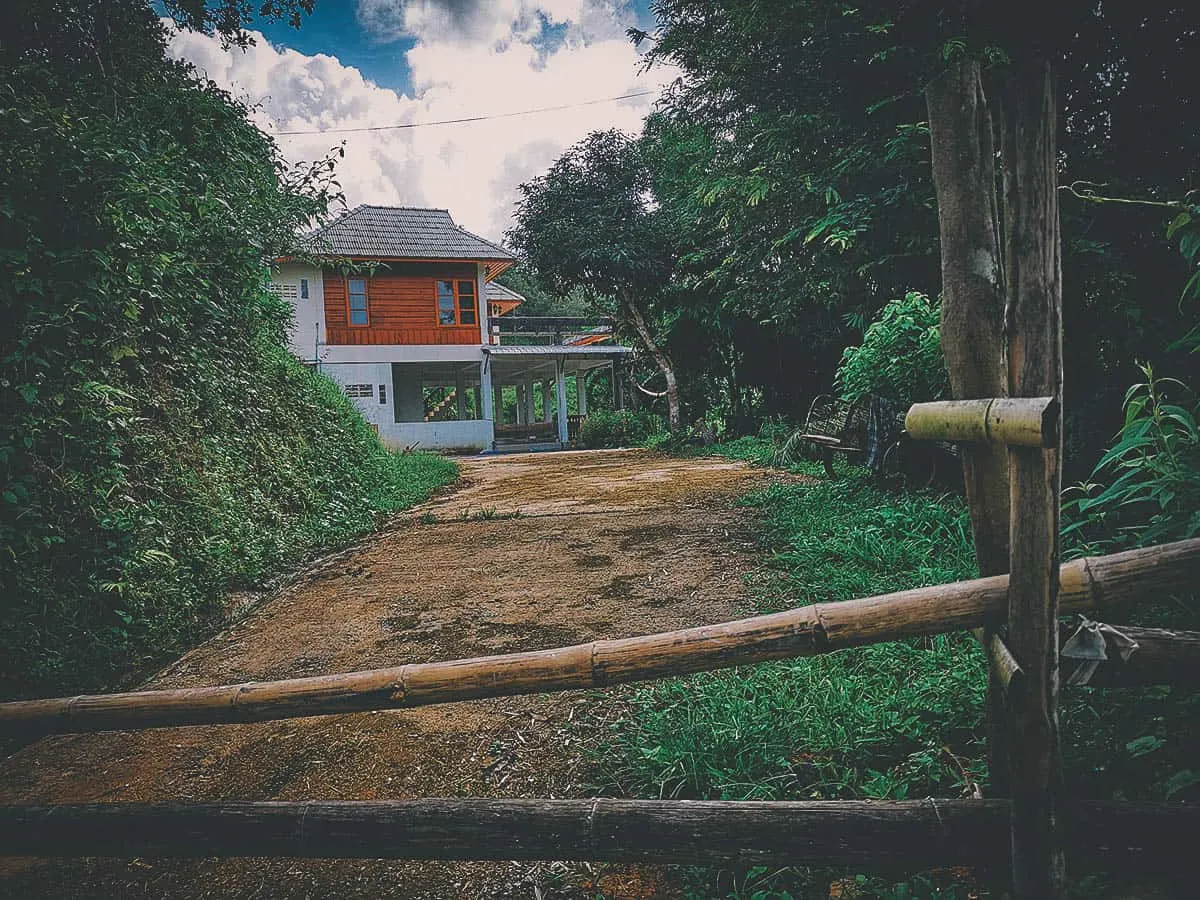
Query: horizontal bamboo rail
[1162, 657]
[868, 835]
[1015, 421]
[806, 631]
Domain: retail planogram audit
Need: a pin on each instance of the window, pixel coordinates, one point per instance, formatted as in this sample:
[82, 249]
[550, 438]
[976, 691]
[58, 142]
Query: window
[466, 303]
[445, 298]
[358, 301]
[456, 303]
[383, 393]
[303, 288]
[360, 390]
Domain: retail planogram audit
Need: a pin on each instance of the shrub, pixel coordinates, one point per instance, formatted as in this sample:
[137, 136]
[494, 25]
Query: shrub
[619, 428]
[900, 357]
[158, 445]
[1146, 488]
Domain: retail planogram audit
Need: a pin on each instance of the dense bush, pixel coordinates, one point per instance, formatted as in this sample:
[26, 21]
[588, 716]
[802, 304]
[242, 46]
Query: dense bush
[900, 357]
[619, 428]
[158, 446]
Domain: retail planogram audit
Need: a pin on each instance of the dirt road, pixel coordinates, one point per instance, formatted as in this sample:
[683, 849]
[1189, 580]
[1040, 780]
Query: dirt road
[531, 551]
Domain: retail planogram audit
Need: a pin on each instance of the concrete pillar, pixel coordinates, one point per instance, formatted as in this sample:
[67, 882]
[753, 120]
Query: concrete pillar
[487, 394]
[581, 393]
[522, 419]
[618, 385]
[478, 400]
[407, 393]
[546, 409]
[560, 383]
[460, 393]
[529, 412]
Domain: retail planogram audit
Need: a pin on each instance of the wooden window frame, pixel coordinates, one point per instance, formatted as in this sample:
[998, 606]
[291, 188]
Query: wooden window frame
[366, 296]
[454, 290]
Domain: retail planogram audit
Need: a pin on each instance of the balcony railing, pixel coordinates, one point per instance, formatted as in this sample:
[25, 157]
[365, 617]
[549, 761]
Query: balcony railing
[554, 330]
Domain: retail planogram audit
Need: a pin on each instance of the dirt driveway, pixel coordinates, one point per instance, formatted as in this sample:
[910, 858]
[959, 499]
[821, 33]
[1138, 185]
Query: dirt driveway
[532, 551]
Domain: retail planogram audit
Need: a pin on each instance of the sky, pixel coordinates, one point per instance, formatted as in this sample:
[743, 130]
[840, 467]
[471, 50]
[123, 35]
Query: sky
[365, 63]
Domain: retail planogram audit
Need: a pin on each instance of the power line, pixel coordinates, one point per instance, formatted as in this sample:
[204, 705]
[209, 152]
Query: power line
[524, 112]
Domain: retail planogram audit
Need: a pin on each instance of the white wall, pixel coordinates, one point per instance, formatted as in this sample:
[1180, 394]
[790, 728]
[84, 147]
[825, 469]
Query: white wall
[308, 325]
[467, 434]
[373, 374]
[390, 353]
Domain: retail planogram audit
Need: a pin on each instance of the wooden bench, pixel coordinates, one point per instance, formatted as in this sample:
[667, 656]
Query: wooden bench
[837, 426]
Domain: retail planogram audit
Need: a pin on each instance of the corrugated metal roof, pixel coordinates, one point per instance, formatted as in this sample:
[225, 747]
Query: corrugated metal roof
[556, 350]
[402, 232]
[497, 291]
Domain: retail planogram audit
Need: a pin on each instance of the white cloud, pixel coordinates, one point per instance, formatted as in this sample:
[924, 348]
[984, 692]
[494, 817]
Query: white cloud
[469, 59]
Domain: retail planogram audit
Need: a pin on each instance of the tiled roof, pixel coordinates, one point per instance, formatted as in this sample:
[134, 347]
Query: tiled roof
[402, 232]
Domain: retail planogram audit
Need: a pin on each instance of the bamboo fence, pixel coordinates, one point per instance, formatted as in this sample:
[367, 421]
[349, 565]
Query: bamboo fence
[1116, 579]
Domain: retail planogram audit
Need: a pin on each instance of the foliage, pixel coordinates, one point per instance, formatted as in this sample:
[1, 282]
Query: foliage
[586, 224]
[541, 301]
[229, 18]
[903, 719]
[856, 723]
[1185, 228]
[158, 446]
[619, 428]
[589, 225]
[899, 720]
[1146, 487]
[900, 357]
[790, 164]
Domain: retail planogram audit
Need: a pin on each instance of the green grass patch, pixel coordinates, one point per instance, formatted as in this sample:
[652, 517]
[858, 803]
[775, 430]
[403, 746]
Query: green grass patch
[891, 720]
[901, 720]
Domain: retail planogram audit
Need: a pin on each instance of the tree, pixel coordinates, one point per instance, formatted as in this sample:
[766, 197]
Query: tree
[591, 223]
[158, 443]
[792, 163]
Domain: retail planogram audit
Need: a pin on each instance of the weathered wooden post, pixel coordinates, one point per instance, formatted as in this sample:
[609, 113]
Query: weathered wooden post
[964, 177]
[991, 302]
[1033, 321]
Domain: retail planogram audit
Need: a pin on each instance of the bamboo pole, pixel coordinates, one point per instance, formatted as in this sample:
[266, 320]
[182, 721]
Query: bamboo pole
[1014, 421]
[964, 178]
[1162, 657]
[1116, 579]
[1004, 665]
[1034, 329]
[866, 835]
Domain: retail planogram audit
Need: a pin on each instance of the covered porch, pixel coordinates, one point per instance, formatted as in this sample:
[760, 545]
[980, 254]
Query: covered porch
[439, 405]
[546, 381]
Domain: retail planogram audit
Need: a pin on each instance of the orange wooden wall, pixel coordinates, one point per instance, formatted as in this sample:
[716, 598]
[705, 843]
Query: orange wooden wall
[401, 308]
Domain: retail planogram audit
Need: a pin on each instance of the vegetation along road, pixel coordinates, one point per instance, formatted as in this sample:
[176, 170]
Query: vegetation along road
[533, 551]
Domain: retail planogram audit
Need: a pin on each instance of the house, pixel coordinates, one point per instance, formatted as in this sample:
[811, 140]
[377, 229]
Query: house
[387, 303]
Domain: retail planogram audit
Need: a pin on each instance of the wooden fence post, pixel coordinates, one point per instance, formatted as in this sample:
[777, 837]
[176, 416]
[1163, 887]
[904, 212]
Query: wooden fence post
[1033, 319]
[964, 177]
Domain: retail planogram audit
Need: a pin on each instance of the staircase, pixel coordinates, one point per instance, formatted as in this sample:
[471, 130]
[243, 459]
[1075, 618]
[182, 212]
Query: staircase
[445, 404]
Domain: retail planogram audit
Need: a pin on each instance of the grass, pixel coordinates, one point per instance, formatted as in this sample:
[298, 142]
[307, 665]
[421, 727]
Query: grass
[898, 720]
[891, 720]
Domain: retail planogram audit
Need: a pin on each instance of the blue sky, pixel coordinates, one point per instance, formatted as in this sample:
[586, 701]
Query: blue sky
[335, 29]
[356, 65]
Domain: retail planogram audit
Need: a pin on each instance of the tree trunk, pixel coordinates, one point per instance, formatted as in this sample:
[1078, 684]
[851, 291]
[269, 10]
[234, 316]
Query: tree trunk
[661, 359]
[1033, 318]
[973, 298]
